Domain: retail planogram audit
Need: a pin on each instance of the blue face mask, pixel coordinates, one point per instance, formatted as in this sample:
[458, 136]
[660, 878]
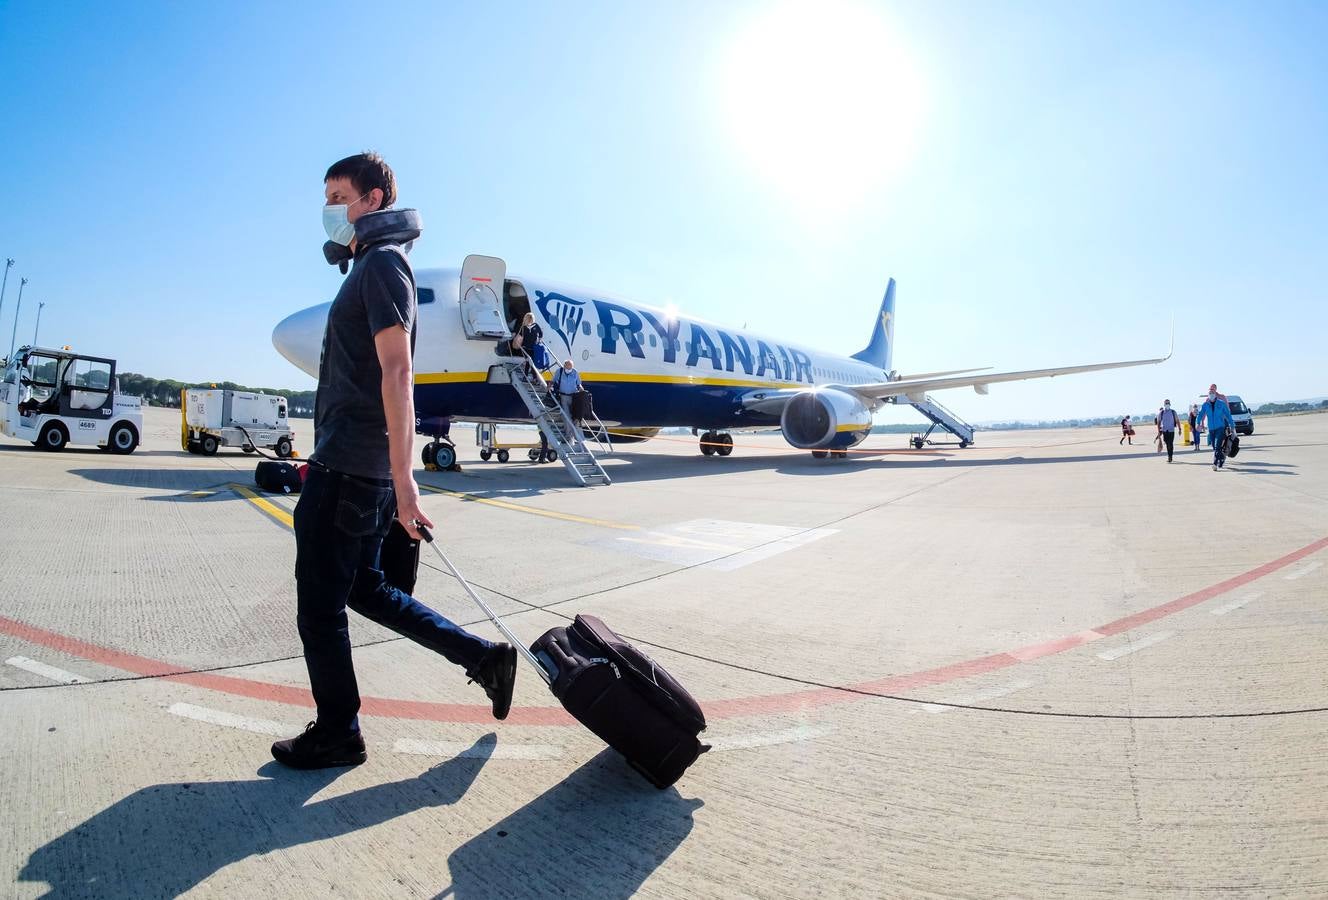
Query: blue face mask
[340, 230]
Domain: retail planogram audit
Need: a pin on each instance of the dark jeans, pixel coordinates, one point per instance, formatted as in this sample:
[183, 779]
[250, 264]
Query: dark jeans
[1169, 438]
[1219, 441]
[340, 523]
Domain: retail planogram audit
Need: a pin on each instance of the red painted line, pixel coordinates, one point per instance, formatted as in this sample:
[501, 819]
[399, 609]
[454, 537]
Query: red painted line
[714, 709]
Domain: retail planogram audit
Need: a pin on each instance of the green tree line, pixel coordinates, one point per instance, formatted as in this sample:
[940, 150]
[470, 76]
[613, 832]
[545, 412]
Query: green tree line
[166, 391]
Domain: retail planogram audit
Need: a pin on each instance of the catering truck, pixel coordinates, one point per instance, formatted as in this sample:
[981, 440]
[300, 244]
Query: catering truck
[216, 418]
[55, 398]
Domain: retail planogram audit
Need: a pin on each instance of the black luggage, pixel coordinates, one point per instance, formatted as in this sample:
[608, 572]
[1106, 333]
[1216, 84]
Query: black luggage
[624, 697]
[582, 405]
[278, 477]
[615, 690]
[1233, 444]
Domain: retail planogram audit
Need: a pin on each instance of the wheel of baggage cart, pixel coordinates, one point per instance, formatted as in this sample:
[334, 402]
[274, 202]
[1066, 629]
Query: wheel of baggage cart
[485, 454]
[191, 447]
[123, 438]
[247, 448]
[444, 457]
[284, 448]
[818, 454]
[917, 443]
[963, 444]
[725, 444]
[533, 454]
[503, 456]
[208, 445]
[53, 437]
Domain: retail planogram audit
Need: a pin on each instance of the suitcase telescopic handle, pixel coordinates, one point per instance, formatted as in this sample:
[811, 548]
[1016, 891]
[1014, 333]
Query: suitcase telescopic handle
[479, 601]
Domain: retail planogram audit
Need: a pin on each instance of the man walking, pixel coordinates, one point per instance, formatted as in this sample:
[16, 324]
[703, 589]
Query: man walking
[566, 382]
[1218, 417]
[1167, 421]
[360, 474]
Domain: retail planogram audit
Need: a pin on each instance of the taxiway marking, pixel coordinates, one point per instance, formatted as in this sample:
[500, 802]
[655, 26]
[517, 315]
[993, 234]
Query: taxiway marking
[464, 750]
[1235, 604]
[972, 699]
[45, 671]
[267, 506]
[230, 720]
[1136, 646]
[531, 510]
[767, 738]
[1301, 573]
[715, 709]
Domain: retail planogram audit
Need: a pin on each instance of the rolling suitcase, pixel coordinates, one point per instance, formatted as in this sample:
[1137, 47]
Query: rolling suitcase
[612, 688]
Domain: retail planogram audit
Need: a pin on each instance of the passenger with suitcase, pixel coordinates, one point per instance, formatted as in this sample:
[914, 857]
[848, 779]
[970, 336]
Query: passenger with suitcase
[361, 478]
[1217, 415]
[1167, 422]
[566, 383]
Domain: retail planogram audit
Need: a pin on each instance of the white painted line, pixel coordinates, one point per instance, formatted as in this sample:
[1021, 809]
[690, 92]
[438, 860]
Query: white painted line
[973, 699]
[230, 720]
[1301, 573]
[1136, 646]
[747, 557]
[767, 738]
[1235, 604]
[468, 750]
[45, 671]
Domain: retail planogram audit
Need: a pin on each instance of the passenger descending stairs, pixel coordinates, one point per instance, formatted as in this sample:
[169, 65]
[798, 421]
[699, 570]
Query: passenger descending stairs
[558, 428]
[940, 416]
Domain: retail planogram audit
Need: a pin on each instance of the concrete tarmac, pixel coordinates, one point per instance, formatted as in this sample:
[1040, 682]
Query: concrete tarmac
[1043, 666]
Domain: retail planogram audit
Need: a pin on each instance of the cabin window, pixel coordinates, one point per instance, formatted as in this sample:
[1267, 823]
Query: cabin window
[585, 328]
[599, 329]
[652, 340]
[424, 295]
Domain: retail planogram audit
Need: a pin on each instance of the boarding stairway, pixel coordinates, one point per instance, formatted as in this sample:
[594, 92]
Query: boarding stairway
[556, 425]
[940, 417]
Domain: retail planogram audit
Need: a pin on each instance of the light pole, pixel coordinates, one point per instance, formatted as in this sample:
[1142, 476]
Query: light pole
[40, 307]
[22, 283]
[9, 264]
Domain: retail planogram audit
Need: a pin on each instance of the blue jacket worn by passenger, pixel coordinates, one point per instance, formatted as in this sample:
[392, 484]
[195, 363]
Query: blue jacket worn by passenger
[1218, 416]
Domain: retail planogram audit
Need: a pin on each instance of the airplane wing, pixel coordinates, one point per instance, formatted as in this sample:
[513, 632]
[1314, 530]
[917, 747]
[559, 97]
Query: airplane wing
[773, 401]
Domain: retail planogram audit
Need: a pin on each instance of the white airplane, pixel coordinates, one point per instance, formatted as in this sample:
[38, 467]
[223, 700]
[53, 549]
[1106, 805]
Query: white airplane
[651, 368]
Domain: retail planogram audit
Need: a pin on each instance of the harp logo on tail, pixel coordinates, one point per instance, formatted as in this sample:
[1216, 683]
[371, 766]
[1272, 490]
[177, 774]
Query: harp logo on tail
[563, 314]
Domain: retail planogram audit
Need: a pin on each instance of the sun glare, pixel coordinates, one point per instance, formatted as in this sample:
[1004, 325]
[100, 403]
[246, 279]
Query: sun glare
[822, 101]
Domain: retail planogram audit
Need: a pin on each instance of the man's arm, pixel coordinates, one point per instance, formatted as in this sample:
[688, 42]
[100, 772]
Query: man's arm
[393, 346]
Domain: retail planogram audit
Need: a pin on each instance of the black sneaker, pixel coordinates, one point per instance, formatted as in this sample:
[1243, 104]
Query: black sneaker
[496, 673]
[316, 749]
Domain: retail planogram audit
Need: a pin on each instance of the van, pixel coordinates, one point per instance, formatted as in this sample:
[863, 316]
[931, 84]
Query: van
[1241, 415]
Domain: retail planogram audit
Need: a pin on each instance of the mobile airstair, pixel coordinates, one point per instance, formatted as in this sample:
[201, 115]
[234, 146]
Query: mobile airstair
[940, 417]
[562, 433]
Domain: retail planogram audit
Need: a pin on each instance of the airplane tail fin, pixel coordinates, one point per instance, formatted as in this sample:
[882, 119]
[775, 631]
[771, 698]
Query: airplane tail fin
[881, 349]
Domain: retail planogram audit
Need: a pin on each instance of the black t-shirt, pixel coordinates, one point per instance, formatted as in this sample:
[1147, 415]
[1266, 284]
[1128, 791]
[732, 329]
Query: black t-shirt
[350, 428]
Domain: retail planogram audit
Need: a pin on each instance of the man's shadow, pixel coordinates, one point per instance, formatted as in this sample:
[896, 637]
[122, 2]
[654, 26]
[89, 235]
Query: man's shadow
[164, 840]
[600, 833]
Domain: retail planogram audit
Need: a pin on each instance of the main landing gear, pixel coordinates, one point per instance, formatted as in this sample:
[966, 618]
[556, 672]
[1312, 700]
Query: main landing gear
[713, 442]
[840, 453]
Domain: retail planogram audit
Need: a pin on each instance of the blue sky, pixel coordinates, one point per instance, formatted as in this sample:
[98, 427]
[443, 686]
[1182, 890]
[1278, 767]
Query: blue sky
[1049, 183]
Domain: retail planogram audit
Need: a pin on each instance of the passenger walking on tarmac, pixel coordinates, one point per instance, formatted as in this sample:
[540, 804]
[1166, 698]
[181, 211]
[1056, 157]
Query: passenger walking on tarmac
[1194, 426]
[360, 474]
[1217, 415]
[1167, 420]
[566, 382]
[1127, 431]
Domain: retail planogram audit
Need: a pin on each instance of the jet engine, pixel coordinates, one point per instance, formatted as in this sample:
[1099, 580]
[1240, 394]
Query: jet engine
[826, 419]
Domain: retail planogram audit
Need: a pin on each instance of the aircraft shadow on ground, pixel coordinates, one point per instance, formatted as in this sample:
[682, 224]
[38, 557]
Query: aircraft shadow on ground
[627, 467]
[187, 479]
[166, 839]
[600, 833]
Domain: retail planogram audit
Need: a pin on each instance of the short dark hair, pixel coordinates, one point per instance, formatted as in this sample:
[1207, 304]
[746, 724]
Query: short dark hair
[366, 171]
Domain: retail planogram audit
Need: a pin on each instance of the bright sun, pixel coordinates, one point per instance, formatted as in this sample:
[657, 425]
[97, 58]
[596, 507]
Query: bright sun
[821, 100]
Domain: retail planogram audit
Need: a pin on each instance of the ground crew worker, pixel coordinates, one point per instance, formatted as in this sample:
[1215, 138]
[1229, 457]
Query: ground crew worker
[360, 474]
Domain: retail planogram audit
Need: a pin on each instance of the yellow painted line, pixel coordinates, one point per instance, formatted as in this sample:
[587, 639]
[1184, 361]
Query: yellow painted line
[267, 506]
[534, 511]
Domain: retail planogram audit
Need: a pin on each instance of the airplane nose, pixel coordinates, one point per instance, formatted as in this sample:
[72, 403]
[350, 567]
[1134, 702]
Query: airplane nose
[299, 337]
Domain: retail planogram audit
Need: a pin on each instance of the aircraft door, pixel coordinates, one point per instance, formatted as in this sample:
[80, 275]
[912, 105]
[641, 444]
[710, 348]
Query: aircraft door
[481, 298]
